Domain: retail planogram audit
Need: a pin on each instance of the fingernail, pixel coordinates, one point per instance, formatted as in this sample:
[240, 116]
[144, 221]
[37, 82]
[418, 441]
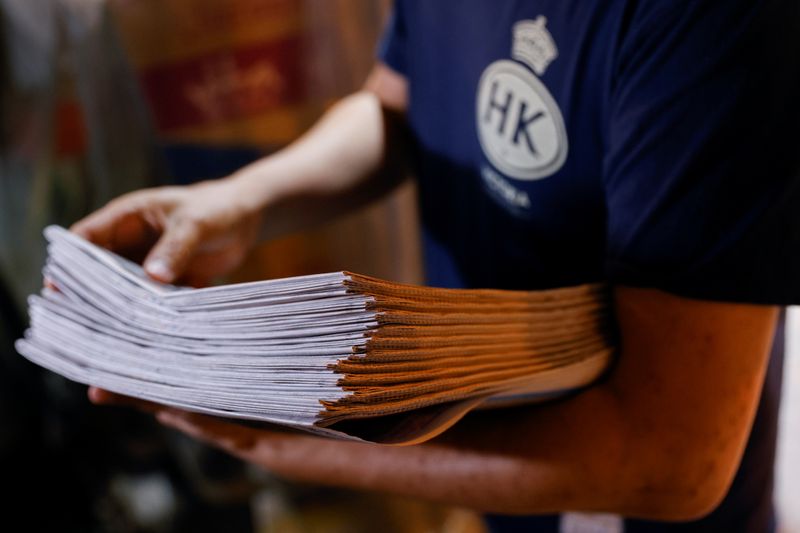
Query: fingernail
[96, 395]
[159, 269]
[165, 417]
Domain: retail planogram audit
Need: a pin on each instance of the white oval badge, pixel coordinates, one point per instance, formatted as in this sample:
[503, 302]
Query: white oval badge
[519, 124]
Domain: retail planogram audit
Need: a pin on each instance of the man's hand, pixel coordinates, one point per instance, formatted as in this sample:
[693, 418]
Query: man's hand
[236, 439]
[189, 234]
[352, 156]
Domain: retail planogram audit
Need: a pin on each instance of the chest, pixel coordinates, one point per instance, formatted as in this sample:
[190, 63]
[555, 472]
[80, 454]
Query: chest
[515, 94]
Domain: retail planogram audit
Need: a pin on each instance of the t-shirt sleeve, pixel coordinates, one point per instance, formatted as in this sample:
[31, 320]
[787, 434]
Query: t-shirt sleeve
[702, 165]
[392, 46]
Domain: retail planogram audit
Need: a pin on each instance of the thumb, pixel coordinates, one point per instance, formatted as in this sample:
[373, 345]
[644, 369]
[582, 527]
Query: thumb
[171, 254]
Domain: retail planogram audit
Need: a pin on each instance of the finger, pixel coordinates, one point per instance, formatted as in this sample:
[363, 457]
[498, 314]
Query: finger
[234, 438]
[100, 396]
[171, 255]
[47, 282]
[100, 226]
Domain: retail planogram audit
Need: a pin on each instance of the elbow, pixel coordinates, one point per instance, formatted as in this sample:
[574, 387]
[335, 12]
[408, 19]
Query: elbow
[681, 493]
[681, 504]
[681, 490]
[663, 500]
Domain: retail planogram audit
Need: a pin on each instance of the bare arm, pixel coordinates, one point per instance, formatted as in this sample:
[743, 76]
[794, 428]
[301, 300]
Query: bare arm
[353, 155]
[660, 439]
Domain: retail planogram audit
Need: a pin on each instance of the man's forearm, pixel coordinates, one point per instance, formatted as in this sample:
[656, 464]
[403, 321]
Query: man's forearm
[350, 157]
[527, 460]
[660, 438]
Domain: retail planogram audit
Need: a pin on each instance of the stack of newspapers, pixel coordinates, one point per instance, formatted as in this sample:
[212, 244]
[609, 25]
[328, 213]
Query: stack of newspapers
[339, 354]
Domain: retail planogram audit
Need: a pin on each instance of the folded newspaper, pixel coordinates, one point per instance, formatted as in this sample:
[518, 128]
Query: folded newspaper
[339, 354]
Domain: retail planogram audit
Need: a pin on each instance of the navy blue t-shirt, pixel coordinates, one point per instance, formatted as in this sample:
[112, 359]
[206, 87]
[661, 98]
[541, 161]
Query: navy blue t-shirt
[646, 143]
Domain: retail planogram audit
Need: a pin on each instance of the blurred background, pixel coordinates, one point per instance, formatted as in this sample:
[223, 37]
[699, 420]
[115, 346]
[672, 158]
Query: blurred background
[100, 97]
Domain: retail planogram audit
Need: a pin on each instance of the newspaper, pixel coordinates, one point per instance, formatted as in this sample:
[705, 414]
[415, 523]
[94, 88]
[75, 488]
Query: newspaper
[329, 353]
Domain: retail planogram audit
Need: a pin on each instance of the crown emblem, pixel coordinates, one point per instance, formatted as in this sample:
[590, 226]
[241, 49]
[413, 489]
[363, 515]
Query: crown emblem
[533, 44]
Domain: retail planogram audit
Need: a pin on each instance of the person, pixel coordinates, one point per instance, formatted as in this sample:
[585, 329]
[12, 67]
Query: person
[651, 145]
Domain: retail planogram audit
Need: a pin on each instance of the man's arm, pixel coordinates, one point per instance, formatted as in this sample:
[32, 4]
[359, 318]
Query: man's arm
[353, 155]
[661, 438]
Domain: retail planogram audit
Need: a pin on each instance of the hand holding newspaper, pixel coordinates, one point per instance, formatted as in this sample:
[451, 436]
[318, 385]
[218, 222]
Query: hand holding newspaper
[338, 354]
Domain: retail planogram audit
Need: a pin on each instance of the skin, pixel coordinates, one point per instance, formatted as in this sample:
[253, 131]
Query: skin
[660, 438]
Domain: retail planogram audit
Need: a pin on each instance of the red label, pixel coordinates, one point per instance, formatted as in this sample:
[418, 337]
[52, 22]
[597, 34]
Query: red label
[225, 85]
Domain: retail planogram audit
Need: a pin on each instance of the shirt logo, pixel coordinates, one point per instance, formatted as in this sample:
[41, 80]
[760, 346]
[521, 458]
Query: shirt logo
[519, 124]
[533, 44]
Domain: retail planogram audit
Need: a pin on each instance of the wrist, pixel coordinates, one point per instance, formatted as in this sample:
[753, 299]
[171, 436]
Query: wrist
[254, 187]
